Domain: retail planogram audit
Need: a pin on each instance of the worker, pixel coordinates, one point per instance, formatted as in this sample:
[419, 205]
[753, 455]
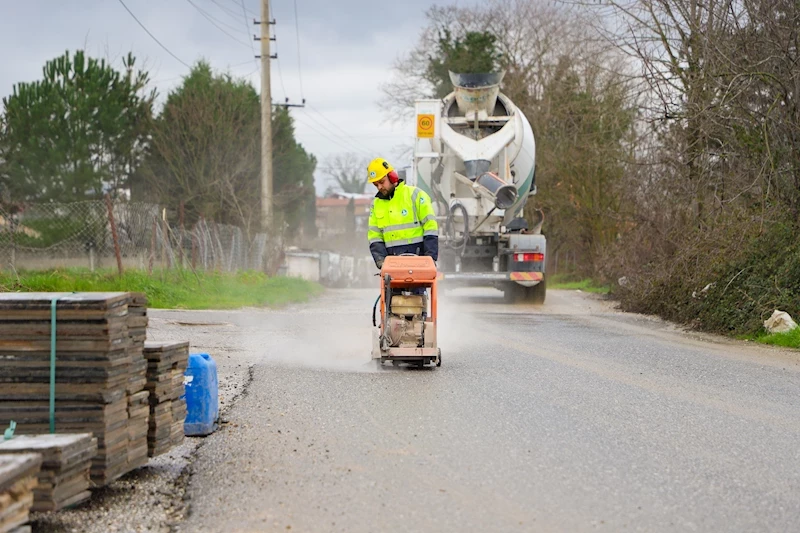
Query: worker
[401, 219]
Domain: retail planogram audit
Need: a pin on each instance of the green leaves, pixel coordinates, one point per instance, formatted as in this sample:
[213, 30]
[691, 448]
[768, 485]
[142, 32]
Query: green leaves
[475, 52]
[206, 152]
[78, 131]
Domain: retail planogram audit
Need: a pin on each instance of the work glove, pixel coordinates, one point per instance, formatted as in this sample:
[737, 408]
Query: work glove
[379, 264]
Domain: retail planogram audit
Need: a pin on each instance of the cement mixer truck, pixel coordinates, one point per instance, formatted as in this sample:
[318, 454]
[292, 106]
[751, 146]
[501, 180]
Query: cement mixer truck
[474, 155]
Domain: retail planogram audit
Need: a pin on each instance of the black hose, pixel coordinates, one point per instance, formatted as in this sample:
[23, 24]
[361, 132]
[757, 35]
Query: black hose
[450, 230]
[375, 308]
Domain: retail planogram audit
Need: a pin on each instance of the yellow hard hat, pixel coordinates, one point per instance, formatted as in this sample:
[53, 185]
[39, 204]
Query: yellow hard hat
[377, 169]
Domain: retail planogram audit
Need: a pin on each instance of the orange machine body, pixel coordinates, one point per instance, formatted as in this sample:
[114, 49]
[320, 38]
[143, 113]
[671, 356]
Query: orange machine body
[407, 273]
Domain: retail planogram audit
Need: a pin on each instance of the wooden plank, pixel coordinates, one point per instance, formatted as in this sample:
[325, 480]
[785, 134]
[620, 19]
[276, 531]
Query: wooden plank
[77, 498]
[66, 374]
[66, 300]
[61, 407]
[16, 466]
[64, 391]
[22, 345]
[17, 513]
[12, 358]
[156, 346]
[61, 363]
[57, 450]
[66, 328]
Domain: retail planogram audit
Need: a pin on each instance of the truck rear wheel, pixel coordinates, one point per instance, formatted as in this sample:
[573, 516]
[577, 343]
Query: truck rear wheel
[515, 293]
[512, 293]
[537, 293]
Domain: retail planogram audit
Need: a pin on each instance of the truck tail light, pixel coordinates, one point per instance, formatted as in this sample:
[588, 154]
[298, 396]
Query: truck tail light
[524, 258]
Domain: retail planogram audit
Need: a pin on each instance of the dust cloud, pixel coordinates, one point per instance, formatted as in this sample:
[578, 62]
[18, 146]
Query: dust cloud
[334, 332]
[331, 333]
[461, 314]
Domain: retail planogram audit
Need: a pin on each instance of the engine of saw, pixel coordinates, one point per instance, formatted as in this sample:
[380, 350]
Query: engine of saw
[406, 326]
[407, 332]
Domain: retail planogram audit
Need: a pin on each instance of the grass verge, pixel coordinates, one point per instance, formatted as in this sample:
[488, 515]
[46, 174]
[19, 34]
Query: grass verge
[172, 289]
[789, 339]
[586, 285]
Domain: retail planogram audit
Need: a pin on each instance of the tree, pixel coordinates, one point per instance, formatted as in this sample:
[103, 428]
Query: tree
[346, 173]
[584, 135]
[529, 37]
[77, 133]
[206, 153]
[475, 52]
[573, 88]
[293, 167]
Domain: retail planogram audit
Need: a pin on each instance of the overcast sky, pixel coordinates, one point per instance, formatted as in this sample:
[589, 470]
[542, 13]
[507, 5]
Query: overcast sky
[346, 48]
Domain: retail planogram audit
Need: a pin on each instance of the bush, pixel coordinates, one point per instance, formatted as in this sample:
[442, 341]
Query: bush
[725, 280]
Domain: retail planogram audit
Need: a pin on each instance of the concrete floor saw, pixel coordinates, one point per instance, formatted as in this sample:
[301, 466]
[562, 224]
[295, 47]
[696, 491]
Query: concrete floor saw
[407, 331]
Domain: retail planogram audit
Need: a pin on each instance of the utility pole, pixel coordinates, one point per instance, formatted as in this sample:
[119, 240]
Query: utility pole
[266, 121]
[266, 115]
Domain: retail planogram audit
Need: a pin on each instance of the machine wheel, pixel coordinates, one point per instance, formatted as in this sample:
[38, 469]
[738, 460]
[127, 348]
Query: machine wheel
[439, 358]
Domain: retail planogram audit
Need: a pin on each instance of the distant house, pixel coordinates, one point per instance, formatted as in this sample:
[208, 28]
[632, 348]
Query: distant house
[332, 218]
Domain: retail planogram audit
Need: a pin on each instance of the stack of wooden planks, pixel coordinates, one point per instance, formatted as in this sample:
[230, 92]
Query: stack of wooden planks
[66, 462]
[17, 482]
[138, 409]
[166, 365]
[100, 372]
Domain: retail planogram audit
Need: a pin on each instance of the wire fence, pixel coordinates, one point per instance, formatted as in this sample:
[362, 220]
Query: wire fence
[98, 234]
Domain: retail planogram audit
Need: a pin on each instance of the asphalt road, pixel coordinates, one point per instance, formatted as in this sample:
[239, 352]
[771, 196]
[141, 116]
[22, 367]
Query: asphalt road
[565, 417]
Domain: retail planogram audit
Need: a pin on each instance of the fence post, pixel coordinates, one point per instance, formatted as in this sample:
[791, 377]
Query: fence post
[194, 250]
[13, 229]
[201, 242]
[180, 235]
[114, 232]
[167, 244]
[152, 246]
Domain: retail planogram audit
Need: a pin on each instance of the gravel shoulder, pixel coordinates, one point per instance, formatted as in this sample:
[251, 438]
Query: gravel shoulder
[152, 498]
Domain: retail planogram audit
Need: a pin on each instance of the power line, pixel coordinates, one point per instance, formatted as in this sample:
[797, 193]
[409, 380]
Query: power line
[297, 34]
[243, 63]
[337, 137]
[300, 76]
[280, 74]
[153, 36]
[248, 11]
[329, 121]
[247, 31]
[332, 139]
[211, 17]
[278, 61]
[214, 21]
[231, 13]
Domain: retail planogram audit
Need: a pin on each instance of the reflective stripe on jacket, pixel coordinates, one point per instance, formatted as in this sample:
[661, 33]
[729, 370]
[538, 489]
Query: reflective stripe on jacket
[405, 219]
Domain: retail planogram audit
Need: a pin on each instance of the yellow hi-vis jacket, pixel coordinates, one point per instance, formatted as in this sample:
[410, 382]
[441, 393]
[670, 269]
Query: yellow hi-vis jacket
[402, 223]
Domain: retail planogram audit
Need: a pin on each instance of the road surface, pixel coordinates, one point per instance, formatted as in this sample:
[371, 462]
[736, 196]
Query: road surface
[566, 417]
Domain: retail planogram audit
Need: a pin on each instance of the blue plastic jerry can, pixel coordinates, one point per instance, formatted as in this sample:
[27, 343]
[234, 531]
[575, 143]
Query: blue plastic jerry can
[202, 395]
